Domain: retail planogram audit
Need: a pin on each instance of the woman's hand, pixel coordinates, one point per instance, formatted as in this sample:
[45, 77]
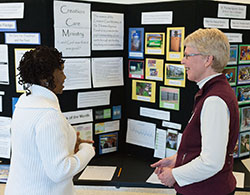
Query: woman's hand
[79, 141]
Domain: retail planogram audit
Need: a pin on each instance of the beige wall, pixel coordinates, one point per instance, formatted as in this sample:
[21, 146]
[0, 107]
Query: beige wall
[153, 1]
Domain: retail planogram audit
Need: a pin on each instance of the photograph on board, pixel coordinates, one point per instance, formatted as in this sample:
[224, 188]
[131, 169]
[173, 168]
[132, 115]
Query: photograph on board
[136, 43]
[175, 47]
[244, 54]
[154, 69]
[175, 75]
[169, 98]
[143, 91]
[231, 74]
[155, 43]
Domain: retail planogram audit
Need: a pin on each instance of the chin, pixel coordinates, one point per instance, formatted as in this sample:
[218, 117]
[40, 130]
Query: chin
[190, 78]
[59, 91]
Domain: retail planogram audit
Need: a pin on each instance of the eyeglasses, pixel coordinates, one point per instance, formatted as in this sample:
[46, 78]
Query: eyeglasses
[192, 54]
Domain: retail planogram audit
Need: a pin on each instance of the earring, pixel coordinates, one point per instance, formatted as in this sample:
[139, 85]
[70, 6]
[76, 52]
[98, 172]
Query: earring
[46, 83]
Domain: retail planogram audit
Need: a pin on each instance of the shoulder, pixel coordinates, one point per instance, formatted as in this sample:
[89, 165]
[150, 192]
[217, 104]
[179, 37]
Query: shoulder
[51, 118]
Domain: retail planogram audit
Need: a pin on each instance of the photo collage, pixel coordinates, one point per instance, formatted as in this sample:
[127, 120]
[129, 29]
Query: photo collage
[238, 74]
[151, 75]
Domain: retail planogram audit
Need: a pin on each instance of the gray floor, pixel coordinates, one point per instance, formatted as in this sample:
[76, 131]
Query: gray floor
[98, 190]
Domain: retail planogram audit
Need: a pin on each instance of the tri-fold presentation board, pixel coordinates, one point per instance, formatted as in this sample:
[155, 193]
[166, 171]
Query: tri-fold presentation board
[126, 87]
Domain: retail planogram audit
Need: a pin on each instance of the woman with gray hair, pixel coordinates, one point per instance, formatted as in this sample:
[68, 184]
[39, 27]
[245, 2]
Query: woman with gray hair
[204, 161]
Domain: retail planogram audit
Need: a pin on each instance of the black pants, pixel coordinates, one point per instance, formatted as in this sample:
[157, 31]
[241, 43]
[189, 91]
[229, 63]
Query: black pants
[232, 193]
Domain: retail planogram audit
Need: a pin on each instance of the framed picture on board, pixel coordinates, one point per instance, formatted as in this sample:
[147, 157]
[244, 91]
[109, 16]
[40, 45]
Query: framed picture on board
[136, 43]
[154, 69]
[244, 54]
[245, 118]
[244, 74]
[175, 75]
[175, 47]
[108, 143]
[243, 94]
[170, 98]
[231, 74]
[244, 144]
[143, 91]
[136, 69]
[155, 43]
[233, 55]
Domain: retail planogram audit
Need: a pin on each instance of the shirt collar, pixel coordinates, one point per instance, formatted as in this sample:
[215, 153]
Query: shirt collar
[203, 81]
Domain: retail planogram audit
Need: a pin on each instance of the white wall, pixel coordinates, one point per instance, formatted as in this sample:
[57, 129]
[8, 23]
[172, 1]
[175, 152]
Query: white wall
[154, 1]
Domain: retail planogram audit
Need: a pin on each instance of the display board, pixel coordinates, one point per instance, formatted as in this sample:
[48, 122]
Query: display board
[144, 108]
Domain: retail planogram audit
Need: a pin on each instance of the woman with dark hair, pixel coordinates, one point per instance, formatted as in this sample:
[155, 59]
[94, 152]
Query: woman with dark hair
[46, 151]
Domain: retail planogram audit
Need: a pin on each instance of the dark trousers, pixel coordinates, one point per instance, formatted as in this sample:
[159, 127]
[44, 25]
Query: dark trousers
[232, 193]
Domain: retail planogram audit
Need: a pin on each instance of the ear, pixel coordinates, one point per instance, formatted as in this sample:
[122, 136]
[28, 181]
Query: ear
[209, 60]
[44, 83]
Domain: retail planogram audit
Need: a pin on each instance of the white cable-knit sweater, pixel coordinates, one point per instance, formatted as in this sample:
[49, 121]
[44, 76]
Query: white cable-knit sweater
[43, 160]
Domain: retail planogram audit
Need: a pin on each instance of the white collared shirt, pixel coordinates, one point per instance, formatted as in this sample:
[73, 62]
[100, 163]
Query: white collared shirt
[214, 118]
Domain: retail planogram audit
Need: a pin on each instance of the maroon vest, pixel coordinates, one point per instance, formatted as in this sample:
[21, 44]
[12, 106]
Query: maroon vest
[223, 182]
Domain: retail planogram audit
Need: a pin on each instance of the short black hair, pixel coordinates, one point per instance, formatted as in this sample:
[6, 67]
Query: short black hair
[38, 64]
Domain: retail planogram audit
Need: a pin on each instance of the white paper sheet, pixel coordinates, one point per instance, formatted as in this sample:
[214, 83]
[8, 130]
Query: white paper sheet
[1, 100]
[93, 98]
[80, 116]
[106, 127]
[234, 37]
[216, 23]
[240, 178]
[153, 178]
[4, 65]
[23, 38]
[8, 26]
[232, 11]
[11, 10]
[103, 173]
[160, 143]
[86, 131]
[141, 133]
[77, 71]
[171, 125]
[240, 24]
[72, 42]
[18, 55]
[1, 104]
[5, 137]
[72, 28]
[165, 17]
[107, 72]
[154, 113]
[246, 163]
[107, 31]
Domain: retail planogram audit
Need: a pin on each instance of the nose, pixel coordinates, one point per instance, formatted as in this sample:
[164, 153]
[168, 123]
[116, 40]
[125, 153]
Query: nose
[64, 76]
[183, 60]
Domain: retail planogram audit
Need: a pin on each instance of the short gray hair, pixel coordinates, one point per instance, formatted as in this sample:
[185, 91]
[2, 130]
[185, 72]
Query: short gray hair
[211, 42]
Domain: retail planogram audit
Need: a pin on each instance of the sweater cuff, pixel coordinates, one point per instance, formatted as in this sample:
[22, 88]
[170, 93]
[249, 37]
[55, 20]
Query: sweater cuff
[86, 153]
[176, 172]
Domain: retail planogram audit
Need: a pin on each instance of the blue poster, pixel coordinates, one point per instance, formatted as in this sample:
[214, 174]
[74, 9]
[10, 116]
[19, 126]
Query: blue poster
[14, 101]
[136, 43]
[116, 112]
